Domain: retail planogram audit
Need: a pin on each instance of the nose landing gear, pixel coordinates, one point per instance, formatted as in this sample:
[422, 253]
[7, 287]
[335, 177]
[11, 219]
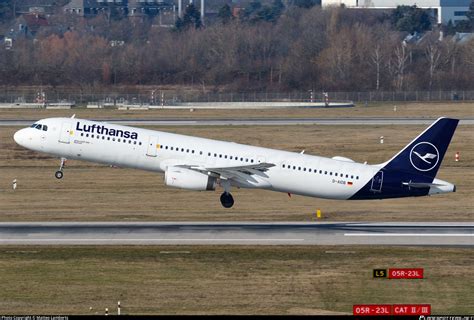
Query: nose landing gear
[59, 174]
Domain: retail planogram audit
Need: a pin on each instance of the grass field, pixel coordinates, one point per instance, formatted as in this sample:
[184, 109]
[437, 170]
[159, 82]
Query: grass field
[428, 110]
[96, 192]
[228, 280]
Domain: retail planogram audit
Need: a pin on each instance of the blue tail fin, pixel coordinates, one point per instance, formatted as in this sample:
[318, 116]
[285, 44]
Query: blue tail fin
[423, 156]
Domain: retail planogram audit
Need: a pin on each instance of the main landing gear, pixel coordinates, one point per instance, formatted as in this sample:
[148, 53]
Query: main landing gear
[59, 174]
[226, 198]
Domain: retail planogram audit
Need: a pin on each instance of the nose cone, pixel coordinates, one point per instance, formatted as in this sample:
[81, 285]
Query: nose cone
[20, 137]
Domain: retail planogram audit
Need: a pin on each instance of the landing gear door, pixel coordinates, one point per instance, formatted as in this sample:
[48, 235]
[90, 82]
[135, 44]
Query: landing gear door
[66, 133]
[153, 146]
[377, 181]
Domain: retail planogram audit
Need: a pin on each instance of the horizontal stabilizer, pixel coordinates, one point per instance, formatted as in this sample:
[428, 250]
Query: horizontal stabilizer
[421, 184]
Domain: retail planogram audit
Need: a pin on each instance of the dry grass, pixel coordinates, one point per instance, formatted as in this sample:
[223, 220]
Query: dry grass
[428, 110]
[94, 192]
[228, 280]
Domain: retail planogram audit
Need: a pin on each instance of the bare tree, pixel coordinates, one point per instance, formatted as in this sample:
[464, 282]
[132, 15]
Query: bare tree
[432, 55]
[400, 57]
[377, 61]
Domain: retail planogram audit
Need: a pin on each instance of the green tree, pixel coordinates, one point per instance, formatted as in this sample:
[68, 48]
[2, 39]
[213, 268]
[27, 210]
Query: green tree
[410, 19]
[225, 14]
[305, 3]
[191, 18]
[7, 9]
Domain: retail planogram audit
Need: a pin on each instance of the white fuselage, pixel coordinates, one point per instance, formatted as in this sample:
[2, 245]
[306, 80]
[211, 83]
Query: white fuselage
[151, 150]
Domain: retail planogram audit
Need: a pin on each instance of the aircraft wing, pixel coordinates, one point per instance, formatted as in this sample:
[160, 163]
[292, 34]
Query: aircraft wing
[237, 173]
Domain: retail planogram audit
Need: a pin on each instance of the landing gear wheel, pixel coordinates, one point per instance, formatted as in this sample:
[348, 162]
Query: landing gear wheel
[58, 174]
[227, 200]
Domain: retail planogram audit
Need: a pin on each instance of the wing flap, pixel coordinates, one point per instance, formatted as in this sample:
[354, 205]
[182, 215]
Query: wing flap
[237, 173]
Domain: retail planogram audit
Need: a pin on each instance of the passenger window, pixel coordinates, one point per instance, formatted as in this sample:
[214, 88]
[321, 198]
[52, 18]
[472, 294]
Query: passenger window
[246, 160]
[92, 136]
[82, 134]
[208, 154]
[140, 143]
[283, 166]
[108, 138]
[325, 172]
[352, 177]
[251, 160]
[335, 173]
[103, 137]
[357, 178]
[347, 176]
[118, 140]
[330, 173]
[134, 142]
[225, 156]
[320, 171]
[309, 170]
[187, 150]
[304, 169]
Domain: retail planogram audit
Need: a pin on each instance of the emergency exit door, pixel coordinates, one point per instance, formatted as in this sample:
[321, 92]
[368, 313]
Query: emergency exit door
[65, 134]
[153, 146]
[377, 182]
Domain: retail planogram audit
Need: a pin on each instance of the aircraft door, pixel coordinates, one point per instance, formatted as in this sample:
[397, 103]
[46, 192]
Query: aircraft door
[153, 146]
[66, 133]
[377, 181]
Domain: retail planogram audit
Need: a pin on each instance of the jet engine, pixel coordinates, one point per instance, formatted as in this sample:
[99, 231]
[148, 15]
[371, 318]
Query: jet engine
[189, 179]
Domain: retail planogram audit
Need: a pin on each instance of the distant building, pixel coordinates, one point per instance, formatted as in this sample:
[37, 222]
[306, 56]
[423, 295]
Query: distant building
[444, 10]
[87, 8]
[27, 25]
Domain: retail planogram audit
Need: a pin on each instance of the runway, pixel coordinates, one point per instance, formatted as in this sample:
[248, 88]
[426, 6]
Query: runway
[255, 121]
[238, 233]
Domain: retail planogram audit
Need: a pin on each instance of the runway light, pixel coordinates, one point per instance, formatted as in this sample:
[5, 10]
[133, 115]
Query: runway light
[318, 214]
[14, 184]
[381, 139]
[456, 156]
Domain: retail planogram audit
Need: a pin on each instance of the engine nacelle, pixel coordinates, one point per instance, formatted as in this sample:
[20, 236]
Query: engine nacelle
[189, 179]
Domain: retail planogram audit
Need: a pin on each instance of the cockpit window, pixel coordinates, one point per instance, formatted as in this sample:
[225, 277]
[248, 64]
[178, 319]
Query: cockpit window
[33, 125]
[38, 126]
[45, 128]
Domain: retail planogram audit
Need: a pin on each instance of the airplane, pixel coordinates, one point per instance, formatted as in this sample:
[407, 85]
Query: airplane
[200, 164]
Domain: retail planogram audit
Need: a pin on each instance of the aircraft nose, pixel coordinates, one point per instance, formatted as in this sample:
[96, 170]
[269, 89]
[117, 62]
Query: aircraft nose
[19, 137]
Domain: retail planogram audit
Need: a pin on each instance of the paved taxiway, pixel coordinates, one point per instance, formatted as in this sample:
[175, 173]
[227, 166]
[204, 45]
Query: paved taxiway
[257, 121]
[241, 233]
